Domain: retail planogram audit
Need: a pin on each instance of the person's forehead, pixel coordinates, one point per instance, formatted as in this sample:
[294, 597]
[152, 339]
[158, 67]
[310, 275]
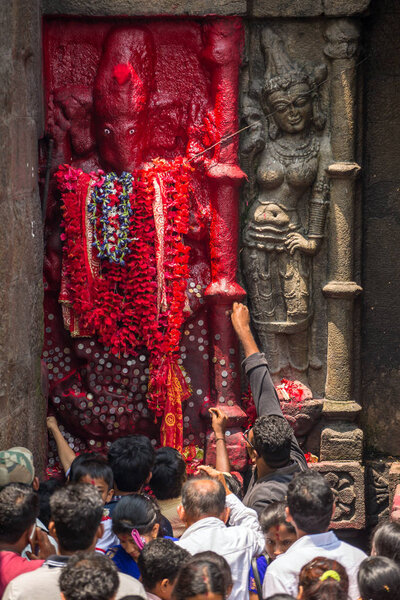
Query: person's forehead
[293, 91]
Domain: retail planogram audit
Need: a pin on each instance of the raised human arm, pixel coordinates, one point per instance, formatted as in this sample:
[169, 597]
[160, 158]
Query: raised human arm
[65, 453]
[241, 323]
[218, 424]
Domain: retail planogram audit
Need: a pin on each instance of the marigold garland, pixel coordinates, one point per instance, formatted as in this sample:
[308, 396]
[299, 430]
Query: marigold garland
[118, 302]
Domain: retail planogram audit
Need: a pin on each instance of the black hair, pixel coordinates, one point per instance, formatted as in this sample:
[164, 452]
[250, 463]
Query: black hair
[132, 597]
[203, 497]
[379, 579]
[169, 473]
[234, 484]
[386, 540]
[46, 490]
[199, 577]
[280, 597]
[81, 458]
[272, 438]
[160, 559]
[96, 467]
[131, 459]
[310, 501]
[19, 507]
[89, 576]
[273, 515]
[136, 511]
[76, 510]
[220, 562]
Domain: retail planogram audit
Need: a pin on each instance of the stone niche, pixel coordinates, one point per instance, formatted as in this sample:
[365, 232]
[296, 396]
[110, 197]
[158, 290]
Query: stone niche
[299, 246]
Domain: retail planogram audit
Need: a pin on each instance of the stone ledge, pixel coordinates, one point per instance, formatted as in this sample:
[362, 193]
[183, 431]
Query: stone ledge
[135, 8]
[341, 289]
[308, 8]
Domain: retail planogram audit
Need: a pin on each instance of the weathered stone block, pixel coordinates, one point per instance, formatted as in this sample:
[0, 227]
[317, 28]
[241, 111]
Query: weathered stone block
[341, 441]
[377, 491]
[104, 8]
[236, 447]
[347, 481]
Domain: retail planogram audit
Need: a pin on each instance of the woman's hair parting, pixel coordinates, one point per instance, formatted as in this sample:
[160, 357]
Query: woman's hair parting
[220, 562]
[200, 577]
[324, 579]
[135, 511]
[274, 515]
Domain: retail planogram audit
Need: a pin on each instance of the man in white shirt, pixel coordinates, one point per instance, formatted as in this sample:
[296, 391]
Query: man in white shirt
[310, 508]
[207, 504]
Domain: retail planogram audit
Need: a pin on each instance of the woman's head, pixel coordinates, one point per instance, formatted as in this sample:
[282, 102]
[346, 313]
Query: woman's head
[169, 473]
[379, 579]
[386, 541]
[279, 534]
[200, 580]
[323, 579]
[221, 563]
[136, 520]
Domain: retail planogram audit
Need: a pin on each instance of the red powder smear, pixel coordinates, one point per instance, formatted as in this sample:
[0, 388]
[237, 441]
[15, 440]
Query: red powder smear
[122, 73]
[277, 532]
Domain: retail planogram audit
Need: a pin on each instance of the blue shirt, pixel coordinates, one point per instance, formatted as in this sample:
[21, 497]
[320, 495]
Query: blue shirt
[123, 561]
[262, 567]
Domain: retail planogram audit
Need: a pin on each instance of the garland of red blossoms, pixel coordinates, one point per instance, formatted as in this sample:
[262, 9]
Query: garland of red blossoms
[120, 304]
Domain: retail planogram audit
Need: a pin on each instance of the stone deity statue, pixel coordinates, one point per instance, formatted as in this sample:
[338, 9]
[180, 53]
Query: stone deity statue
[285, 222]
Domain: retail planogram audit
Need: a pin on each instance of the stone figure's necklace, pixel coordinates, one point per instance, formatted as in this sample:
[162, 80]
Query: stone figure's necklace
[286, 153]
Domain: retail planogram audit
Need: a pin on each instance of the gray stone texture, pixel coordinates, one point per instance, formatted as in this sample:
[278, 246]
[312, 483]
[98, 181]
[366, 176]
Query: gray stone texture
[139, 8]
[308, 8]
[22, 407]
[341, 441]
[381, 230]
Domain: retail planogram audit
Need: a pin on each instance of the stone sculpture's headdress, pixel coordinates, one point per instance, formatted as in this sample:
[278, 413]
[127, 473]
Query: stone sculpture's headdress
[282, 72]
[126, 72]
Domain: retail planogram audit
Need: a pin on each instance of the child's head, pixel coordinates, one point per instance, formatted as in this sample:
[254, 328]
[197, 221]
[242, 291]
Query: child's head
[169, 473]
[379, 579]
[386, 541]
[279, 534]
[323, 579]
[131, 459]
[221, 563]
[95, 470]
[200, 580]
[159, 564]
[136, 520]
[89, 575]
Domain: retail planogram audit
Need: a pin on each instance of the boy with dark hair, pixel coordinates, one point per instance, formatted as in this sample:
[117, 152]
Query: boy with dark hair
[271, 443]
[94, 469]
[89, 576]
[76, 512]
[310, 508]
[19, 507]
[159, 564]
[131, 459]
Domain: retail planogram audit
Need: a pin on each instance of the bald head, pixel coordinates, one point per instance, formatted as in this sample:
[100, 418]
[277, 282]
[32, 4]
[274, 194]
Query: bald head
[203, 498]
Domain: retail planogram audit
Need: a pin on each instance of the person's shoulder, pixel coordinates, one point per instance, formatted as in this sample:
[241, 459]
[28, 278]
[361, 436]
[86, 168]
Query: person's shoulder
[351, 551]
[129, 585]
[30, 585]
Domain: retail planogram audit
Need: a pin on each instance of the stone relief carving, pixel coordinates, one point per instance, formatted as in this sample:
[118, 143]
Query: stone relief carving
[287, 151]
[377, 486]
[344, 487]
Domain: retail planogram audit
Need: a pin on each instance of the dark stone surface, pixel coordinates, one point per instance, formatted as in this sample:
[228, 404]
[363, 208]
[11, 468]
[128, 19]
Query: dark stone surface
[22, 407]
[138, 7]
[381, 230]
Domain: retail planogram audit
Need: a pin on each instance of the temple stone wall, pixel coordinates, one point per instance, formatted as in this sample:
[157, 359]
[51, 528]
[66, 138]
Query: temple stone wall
[22, 407]
[381, 231]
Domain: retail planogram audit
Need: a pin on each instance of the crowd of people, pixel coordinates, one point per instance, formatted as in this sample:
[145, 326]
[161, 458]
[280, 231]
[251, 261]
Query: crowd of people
[131, 525]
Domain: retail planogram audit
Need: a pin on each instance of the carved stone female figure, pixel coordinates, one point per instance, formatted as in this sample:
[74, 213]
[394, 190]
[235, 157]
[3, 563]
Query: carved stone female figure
[285, 223]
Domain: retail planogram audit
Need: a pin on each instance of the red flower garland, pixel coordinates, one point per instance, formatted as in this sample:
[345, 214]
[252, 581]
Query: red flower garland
[119, 304]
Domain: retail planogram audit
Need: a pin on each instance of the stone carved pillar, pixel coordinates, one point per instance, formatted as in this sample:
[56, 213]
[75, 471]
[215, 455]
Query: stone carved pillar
[341, 439]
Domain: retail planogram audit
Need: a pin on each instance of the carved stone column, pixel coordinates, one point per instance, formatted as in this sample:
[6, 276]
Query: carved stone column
[342, 440]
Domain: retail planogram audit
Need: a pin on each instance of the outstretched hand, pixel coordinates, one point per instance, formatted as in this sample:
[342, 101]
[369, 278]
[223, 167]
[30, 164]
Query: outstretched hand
[218, 420]
[214, 474]
[240, 317]
[41, 546]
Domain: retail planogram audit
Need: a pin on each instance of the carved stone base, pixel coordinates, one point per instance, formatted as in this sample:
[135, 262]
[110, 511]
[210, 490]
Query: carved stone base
[377, 491]
[347, 480]
[341, 441]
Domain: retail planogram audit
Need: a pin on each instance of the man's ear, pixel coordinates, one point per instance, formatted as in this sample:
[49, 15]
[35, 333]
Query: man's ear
[110, 495]
[225, 514]
[52, 531]
[35, 484]
[100, 531]
[288, 516]
[300, 594]
[181, 513]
